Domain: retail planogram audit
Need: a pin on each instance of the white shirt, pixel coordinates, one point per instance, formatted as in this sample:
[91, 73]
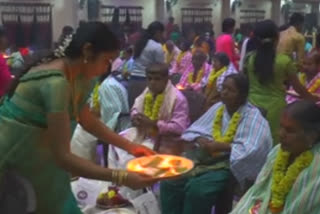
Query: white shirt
[152, 53]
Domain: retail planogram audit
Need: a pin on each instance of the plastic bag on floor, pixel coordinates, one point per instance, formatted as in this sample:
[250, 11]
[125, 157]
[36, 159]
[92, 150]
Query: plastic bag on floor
[87, 191]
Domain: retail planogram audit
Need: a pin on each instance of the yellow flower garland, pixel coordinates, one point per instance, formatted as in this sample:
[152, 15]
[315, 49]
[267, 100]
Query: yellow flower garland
[214, 76]
[314, 86]
[302, 78]
[180, 56]
[199, 77]
[151, 109]
[284, 177]
[232, 127]
[168, 56]
[95, 97]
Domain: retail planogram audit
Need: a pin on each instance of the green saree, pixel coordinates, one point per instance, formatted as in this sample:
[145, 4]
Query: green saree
[23, 143]
[271, 96]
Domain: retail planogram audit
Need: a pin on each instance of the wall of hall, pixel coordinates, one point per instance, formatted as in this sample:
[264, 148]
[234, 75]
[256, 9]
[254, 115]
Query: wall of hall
[265, 5]
[64, 12]
[216, 6]
[149, 6]
[151, 9]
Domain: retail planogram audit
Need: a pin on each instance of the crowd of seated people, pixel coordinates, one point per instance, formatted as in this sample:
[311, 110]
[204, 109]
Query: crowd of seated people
[232, 138]
[244, 131]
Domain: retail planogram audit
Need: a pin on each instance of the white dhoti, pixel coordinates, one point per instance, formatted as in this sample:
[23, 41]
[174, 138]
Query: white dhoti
[118, 158]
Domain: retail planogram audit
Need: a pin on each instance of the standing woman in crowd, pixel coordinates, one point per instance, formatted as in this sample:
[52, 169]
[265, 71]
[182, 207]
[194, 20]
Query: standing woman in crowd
[35, 121]
[267, 72]
[148, 50]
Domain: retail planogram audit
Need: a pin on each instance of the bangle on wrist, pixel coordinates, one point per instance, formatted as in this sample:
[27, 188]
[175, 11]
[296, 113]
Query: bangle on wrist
[119, 177]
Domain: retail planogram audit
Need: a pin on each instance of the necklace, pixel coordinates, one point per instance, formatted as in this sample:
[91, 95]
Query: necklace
[95, 97]
[231, 130]
[314, 86]
[284, 177]
[198, 79]
[213, 78]
[168, 55]
[151, 109]
[180, 57]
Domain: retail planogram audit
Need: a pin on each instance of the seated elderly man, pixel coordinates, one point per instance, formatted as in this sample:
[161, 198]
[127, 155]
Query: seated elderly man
[160, 110]
[232, 137]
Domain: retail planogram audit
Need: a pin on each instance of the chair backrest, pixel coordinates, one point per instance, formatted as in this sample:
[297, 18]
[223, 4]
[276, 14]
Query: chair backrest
[196, 103]
[135, 88]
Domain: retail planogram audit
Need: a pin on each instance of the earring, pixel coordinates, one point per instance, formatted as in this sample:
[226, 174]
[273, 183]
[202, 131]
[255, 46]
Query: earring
[85, 61]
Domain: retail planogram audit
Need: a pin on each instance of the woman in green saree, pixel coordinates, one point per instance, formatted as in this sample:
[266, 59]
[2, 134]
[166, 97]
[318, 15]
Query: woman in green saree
[35, 121]
[268, 72]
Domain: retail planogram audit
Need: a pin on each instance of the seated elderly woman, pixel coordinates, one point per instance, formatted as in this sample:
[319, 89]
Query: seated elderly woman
[160, 110]
[193, 77]
[232, 137]
[309, 77]
[221, 69]
[290, 180]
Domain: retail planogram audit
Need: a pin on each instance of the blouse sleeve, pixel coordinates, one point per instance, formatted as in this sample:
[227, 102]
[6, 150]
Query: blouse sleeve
[56, 95]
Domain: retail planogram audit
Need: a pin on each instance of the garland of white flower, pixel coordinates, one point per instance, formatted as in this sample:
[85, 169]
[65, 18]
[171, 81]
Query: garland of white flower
[60, 51]
[151, 109]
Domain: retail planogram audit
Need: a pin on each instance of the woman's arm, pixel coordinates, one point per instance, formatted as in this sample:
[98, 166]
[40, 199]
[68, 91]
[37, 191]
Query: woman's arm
[94, 126]
[60, 147]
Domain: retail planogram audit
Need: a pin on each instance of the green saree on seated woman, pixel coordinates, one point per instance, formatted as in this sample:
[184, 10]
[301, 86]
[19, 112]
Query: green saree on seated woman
[24, 145]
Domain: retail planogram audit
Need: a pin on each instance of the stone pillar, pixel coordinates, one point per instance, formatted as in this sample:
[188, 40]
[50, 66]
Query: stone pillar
[226, 8]
[160, 10]
[276, 11]
[315, 10]
[64, 13]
